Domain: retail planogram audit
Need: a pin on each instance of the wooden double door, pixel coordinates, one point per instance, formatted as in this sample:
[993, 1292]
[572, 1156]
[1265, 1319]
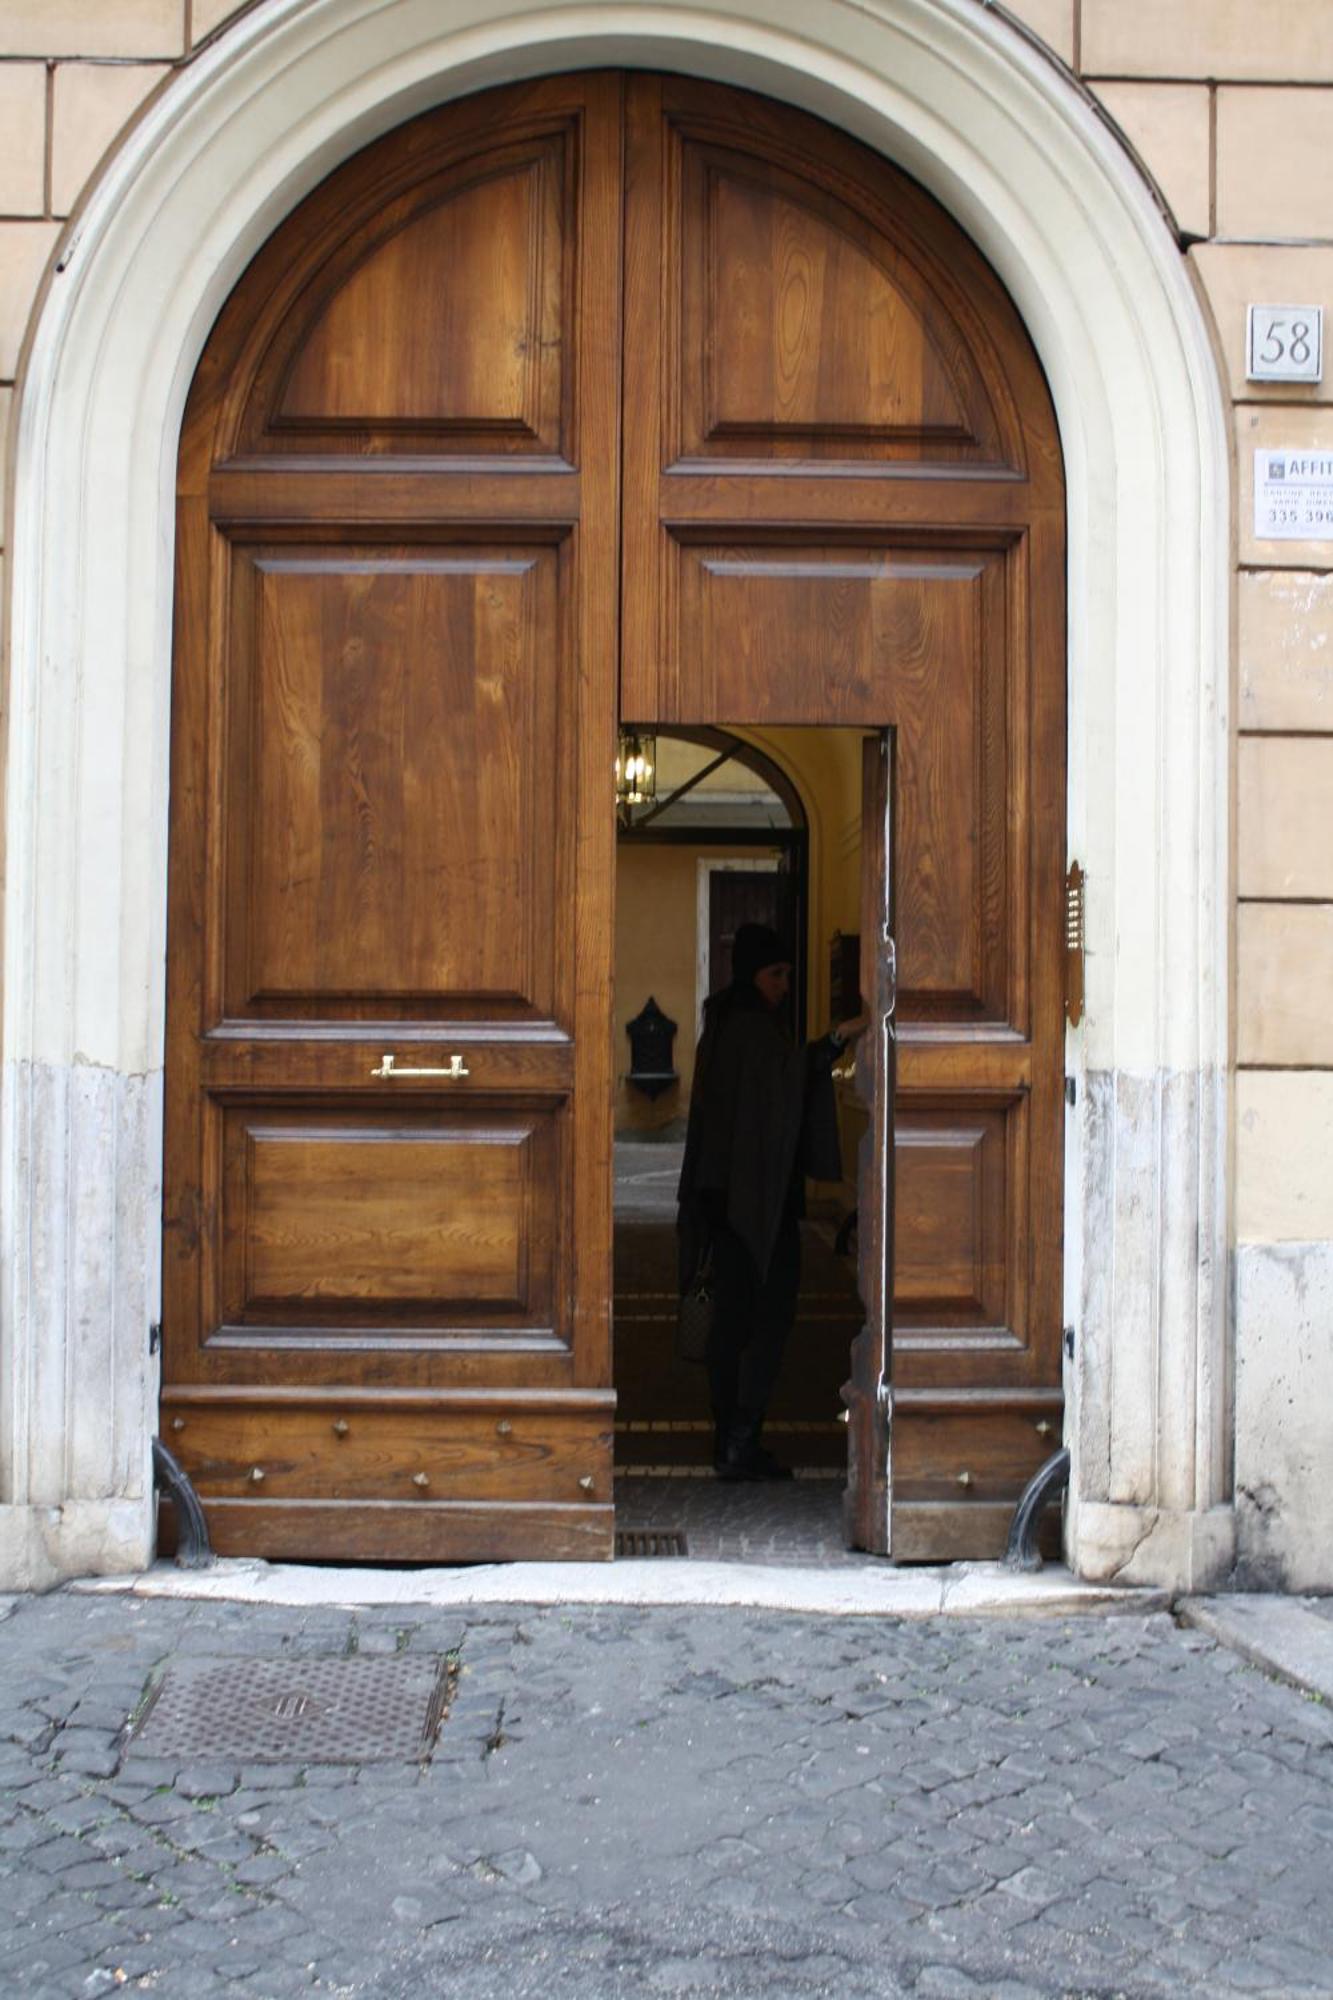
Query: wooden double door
[606, 395]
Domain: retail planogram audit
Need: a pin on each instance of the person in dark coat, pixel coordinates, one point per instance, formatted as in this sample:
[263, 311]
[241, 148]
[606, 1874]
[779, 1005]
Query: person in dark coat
[762, 1118]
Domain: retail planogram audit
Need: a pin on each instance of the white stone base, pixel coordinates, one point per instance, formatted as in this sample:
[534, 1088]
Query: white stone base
[41, 1546]
[1284, 1416]
[873, 1589]
[1123, 1544]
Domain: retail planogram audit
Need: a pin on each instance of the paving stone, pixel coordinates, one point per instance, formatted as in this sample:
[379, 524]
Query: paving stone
[985, 1807]
[945, 1982]
[126, 1894]
[205, 1781]
[27, 1729]
[88, 1754]
[31, 1967]
[262, 1869]
[53, 1856]
[90, 1875]
[268, 1777]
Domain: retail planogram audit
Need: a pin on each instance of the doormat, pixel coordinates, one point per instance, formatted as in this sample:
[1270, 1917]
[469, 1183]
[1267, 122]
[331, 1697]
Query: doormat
[636, 1544]
[371, 1711]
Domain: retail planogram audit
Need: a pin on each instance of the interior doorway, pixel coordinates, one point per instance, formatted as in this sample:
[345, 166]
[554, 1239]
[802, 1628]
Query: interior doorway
[759, 827]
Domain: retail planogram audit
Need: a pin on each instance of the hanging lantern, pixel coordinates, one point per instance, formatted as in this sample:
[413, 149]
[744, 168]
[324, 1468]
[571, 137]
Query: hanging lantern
[636, 770]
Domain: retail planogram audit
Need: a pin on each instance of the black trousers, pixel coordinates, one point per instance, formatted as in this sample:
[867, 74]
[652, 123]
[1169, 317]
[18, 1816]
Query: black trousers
[752, 1317]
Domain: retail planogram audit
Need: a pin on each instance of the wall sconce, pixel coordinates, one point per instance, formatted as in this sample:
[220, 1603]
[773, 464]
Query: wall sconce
[651, 1038]
[636, 772]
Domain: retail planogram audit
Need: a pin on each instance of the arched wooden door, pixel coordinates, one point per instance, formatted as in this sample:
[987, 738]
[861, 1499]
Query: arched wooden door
[411, 580]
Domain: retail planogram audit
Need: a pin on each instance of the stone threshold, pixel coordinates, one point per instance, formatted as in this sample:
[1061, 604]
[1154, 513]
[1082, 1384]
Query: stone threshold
[1282, 1635]
[879, 1591]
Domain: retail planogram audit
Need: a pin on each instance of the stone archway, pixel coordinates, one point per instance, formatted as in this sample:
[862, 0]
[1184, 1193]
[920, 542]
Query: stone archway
[1001, 136]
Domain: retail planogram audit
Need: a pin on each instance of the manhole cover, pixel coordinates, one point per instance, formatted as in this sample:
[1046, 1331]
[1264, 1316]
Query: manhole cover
[642, 1542]
[296, 1711]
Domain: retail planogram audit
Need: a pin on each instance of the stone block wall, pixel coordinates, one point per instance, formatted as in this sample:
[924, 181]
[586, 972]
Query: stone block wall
[1229, 104]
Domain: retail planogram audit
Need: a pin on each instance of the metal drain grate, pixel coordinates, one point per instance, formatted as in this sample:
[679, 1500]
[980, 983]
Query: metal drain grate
[296, 1711]
[637, 1543]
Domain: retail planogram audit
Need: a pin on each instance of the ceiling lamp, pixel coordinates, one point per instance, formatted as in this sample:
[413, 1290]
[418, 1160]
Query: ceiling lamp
[636, 771]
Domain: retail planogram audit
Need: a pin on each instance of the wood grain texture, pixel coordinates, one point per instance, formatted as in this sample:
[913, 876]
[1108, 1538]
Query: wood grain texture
[297, 1453]
[423, 1531]
[853, 633]
[442, 1215]
[794, 305]
[389, 847]
[964, 1530]
[393, 833]
[968, 1456]
[410, 573]
[868, 1392]
[951, 1182]
[453, 321]
[426, 303]
[805, 339]
[806, 320]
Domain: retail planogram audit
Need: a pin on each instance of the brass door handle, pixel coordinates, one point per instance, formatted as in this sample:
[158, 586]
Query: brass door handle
[453, 1069]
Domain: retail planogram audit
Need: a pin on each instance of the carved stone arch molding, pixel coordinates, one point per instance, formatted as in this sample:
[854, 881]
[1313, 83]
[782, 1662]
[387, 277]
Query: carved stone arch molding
[1000, 135]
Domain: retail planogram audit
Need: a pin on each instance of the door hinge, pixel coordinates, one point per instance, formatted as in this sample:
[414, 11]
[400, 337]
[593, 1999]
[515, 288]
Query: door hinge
[1071, 1091]
[1069, 1342]
[1074, 944]
[154, 1336]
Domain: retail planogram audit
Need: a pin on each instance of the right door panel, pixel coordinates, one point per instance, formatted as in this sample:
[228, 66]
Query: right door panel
[844, 505]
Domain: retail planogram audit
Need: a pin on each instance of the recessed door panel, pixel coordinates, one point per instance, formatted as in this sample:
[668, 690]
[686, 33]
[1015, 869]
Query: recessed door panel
[454, 322]
[381, 1218]
[426, 303]
[951, 1189]
[806, 334]
[804, 321]
[389, 850]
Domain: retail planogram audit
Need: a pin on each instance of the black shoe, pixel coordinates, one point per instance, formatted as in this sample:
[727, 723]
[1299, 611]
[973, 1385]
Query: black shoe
[763, 1465]
[751, 1464]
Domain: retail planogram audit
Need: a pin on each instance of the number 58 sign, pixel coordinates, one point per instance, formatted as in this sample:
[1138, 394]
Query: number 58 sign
[1285, 344]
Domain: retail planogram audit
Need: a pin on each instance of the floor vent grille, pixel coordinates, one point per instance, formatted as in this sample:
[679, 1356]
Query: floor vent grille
[638, 1544]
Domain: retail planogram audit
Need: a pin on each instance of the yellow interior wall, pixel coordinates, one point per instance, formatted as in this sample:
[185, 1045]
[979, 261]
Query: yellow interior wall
[825, 767]
[657, 904]
[657, 890]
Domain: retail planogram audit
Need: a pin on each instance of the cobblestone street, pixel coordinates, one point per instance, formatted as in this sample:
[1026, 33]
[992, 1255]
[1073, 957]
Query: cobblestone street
[672, 1801]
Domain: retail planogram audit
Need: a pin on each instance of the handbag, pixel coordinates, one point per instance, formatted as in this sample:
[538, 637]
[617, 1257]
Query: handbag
[694, 1316]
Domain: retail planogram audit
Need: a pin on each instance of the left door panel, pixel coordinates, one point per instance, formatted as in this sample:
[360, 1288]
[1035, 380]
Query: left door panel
[387, 1194]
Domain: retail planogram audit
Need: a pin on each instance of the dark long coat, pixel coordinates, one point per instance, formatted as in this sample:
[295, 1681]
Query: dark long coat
[762, 1117]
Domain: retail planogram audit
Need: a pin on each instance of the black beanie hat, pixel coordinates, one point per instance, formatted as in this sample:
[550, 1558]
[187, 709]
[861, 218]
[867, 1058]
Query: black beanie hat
[754, 947]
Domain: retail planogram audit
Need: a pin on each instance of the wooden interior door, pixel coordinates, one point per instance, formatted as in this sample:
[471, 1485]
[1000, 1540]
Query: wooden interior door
[736, 896]
[844, 505]
[388, 1204]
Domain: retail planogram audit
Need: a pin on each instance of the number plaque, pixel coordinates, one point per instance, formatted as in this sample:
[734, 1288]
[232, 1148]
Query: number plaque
[1285, 344]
